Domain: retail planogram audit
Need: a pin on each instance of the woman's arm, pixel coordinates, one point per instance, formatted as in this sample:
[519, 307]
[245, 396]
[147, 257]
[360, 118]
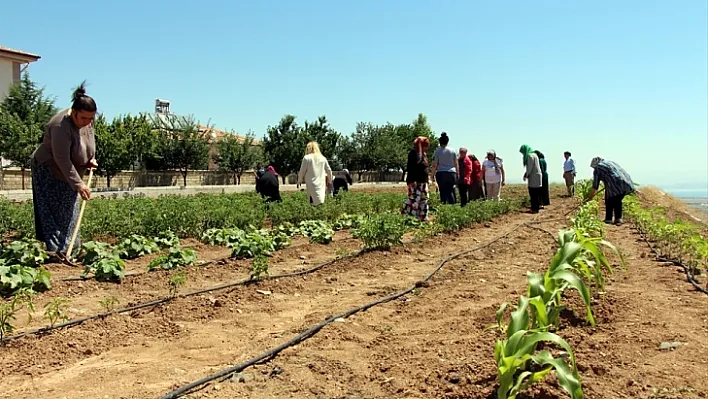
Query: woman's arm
[503, 175]
[302, 172]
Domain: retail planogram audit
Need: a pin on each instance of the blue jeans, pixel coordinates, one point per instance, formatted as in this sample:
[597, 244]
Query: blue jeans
[446, 184]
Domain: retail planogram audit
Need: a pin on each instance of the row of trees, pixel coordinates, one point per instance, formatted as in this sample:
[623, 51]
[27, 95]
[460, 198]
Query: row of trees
[170, 142]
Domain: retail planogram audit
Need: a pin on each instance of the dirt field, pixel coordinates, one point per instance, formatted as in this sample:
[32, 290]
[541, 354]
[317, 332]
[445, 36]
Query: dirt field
[430, 344]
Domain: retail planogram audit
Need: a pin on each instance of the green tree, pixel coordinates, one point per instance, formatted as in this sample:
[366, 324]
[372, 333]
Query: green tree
[113, 146]
[24, 114]
[181, 145]
[325, 136]
[143, 138]
[283, 146]
[236, 154]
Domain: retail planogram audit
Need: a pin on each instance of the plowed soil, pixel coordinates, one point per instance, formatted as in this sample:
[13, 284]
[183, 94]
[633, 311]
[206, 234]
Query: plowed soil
[429, 344]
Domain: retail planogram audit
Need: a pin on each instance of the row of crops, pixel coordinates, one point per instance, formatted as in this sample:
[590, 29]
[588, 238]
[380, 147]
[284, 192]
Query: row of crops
[675, 240]
[191, 216]
[521, 355]
[21, 273]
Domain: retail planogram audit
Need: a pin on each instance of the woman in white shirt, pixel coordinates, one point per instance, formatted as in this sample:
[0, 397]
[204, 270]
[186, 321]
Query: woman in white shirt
[315, 173]
[494, 175]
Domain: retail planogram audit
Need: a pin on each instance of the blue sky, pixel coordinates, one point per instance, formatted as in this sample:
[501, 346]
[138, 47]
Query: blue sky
[626, 80]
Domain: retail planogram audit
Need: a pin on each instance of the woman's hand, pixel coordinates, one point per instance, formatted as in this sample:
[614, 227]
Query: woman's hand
[85, 192]
[92, 164]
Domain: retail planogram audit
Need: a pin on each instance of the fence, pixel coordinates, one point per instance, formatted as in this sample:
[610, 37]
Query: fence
[11, 179]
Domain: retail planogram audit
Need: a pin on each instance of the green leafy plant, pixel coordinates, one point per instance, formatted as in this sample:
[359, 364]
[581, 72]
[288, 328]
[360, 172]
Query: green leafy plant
[381, 231]
[259, 267]
[318, 231]
[14, 277]
[176, 282]
[55, 310]
[251, 246]
[520, 365]
[25, 252]
[223, 236]
[103, 261]
[176, 257]
[8, 310]
[167, 239]
[108, 303]
[136, 246]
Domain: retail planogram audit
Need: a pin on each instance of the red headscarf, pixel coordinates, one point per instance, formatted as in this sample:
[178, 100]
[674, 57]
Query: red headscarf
[271, 169]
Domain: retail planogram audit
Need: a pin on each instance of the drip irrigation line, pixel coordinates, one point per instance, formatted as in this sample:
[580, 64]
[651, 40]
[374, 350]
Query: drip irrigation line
[270, 354]
[686, 269]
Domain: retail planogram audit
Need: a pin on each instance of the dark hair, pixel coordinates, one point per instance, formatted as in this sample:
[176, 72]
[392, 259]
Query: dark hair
[444, 139]
[80, 101]
[473, 157]
[567, 153]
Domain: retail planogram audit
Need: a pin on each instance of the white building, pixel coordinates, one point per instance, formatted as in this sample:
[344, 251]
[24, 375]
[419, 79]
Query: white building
[12, 63]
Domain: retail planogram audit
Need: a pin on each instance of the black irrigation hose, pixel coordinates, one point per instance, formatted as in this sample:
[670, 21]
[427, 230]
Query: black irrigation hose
[265, 356]
[686, 269]
[159, 301]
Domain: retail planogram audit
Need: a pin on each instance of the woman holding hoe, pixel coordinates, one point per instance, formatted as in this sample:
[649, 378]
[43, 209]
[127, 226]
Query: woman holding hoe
[67, 151]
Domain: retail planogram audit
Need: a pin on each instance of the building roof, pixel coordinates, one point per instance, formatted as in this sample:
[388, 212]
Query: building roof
[218, 134]
[17, 55]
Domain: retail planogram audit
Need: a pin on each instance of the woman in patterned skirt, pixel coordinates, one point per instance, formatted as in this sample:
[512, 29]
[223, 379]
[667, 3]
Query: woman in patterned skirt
[417, 179]
[67, 150]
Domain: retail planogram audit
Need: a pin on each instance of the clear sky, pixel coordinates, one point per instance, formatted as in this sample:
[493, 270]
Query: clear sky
[626, 80]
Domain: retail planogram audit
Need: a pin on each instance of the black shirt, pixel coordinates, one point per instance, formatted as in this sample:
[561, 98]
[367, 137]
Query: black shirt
[417, 168]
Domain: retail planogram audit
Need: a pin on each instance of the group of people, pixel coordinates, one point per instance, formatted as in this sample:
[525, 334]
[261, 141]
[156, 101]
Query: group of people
[450, 170]
[315, 173]
[68, 149]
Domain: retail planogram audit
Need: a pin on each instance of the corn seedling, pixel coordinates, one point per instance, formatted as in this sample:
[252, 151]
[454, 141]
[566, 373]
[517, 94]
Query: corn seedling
[56, 310]
[519, 365]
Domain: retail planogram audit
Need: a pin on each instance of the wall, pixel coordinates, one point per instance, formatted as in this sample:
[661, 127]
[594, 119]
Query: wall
[6, 77]
[11, 179]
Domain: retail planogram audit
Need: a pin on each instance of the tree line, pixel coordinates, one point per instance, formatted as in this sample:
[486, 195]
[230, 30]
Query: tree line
[170, 142]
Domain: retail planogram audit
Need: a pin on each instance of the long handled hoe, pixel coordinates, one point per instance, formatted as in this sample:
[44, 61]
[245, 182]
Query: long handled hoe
[67, 258]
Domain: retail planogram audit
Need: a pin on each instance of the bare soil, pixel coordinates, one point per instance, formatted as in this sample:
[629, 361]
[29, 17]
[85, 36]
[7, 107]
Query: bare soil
[430, 344]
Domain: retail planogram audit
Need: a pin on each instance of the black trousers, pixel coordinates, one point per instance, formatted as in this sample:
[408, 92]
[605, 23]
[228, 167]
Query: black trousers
[613, 205]
[446, 184]
[545, 192]
[340, 184]
[464, 192]
[535, 193]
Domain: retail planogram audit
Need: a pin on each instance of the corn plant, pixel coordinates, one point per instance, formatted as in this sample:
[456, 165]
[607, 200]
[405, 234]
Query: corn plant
[591, 262]
[520, 365]
[559, 277]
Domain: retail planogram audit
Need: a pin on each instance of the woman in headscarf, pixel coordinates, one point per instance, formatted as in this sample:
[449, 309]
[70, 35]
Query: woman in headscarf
[476, 189]
[618, 184]
[417, 179]
[494, 175]
[269, 185]
[342, 180]
[545, 190]
[464, 176]
[67, 151]
[315, 173]
[533, 175]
